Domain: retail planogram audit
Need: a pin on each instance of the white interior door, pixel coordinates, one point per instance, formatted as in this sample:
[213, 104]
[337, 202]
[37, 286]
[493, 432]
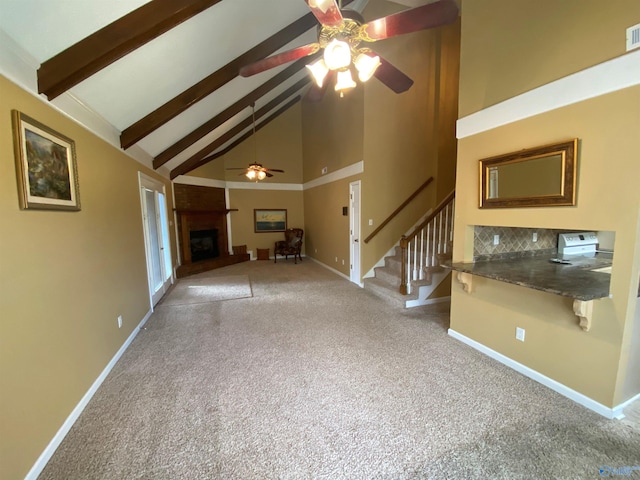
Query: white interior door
[354, 232]
[156, 235]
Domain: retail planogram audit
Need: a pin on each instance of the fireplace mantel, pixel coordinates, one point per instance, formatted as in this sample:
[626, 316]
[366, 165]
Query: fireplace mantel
[180, 211]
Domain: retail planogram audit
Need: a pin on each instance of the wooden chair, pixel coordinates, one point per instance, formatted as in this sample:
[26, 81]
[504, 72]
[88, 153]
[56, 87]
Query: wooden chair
[291, 245]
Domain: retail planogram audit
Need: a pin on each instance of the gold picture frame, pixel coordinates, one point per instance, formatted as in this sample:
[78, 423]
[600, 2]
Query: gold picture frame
[46, 166]
[535, 177]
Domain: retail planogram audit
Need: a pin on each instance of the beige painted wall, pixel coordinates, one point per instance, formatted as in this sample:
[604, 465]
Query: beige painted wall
[66, 276]
[595, 363]
[276, 145]
[405, 139]
[327, 229]
[555, 345]
[332, 132]
[242, 225]
[511, 47]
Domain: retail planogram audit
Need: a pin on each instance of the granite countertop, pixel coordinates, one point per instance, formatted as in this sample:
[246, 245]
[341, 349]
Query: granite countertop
[576, 280]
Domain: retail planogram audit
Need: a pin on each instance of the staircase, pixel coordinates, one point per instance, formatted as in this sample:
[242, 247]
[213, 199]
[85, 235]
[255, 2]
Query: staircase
[412, 271]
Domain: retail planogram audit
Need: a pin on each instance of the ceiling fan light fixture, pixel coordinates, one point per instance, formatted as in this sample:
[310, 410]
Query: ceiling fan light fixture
[251, 174]
[322, 5]
[344, 81]
[261, 175]
[366, 66]
[319, 71]
[337, 54]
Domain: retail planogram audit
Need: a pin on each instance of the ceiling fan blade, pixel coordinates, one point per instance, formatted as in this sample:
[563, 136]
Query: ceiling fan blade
[279, 59]
[235, 168]
[419, 18]
[275, 170]
[392, 77]
[268, 174]
[326, 11]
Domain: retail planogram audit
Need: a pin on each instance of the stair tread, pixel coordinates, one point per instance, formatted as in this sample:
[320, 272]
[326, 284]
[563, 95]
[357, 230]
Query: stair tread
[387, 279]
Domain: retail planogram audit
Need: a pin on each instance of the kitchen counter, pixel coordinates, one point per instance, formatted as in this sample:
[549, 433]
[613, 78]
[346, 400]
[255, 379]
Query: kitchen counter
[577, 280]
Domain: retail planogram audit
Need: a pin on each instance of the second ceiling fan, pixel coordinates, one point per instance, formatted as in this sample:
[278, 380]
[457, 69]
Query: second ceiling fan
[341, 34]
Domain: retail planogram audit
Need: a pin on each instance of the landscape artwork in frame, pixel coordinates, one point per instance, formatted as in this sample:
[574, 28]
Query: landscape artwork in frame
[45, 166]
[270, 220]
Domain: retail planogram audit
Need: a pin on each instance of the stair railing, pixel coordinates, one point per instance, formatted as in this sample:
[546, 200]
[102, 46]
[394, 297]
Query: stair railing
[423, 247]
[398, 210]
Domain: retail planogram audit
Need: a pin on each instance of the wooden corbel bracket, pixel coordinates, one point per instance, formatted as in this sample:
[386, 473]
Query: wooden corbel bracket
[584, 310]
[466, 280]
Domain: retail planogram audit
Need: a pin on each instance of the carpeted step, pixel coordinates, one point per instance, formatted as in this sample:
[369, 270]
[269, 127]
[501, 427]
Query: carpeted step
[390, 276]
[390, 295]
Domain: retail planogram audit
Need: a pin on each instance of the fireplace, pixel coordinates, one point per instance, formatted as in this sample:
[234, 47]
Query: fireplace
[204, 244]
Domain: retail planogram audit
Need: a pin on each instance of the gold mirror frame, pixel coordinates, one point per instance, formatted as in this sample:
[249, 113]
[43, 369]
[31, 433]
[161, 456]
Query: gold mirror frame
[566, 177]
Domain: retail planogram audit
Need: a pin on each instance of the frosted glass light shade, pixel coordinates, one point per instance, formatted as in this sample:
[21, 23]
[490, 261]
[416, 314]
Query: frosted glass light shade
[251, 174]
[345, 81]
[337, 54]
[366, 66]
[261, 175]
[319, 71]
[322, 5]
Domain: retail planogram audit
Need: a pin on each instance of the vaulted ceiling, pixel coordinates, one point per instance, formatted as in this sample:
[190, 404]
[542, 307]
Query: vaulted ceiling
[164, 73]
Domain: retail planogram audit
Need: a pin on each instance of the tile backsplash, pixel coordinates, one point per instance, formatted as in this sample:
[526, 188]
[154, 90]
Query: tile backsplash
[513, 241]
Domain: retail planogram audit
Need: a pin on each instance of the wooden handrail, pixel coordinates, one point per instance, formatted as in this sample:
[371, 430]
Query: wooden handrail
[398, 210]
[405, 239]
[433, 214]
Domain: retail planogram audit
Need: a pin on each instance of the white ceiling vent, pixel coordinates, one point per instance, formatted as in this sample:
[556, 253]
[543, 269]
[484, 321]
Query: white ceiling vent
[633, 37]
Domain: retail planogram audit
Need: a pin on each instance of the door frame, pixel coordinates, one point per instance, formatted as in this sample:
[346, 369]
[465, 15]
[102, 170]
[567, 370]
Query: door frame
[146, 182]
[355, 249]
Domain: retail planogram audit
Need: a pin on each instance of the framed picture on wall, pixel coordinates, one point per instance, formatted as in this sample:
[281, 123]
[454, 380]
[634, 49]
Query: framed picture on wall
[271, 220]
[45, 166]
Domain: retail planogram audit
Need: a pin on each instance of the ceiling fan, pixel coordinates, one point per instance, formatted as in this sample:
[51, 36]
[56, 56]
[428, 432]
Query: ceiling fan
[255, 171]
[340, 36]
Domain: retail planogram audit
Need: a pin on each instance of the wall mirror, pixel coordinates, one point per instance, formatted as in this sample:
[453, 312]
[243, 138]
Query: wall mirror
[541, 176]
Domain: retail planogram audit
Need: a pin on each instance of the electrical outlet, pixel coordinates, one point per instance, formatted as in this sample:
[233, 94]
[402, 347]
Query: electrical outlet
[534, 237]
[119, 321]
[520, 334]
[324, 170]
[370, 221]
[496, 239]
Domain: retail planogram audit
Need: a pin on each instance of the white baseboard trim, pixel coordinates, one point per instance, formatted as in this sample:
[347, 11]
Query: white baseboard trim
[558, 387]
[429, 301]
[329, 268]
[48, 452]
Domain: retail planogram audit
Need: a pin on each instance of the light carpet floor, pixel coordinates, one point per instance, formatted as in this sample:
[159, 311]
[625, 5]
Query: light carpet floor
[207, 287]
[312, 377]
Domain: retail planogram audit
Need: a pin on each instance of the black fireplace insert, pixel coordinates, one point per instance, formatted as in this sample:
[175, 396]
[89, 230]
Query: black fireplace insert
[204, 244]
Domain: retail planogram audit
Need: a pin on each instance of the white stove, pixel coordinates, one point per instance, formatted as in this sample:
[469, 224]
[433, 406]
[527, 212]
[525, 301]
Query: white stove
[580, 243]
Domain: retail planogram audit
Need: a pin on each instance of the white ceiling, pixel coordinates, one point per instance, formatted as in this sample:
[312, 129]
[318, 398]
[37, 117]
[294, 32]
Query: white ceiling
[140, 82]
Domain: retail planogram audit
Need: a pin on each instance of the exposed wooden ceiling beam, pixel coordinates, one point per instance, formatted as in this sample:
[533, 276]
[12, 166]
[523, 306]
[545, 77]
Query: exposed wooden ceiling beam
[199, 158]
[102, 48]
[229, 112]
[210, 84]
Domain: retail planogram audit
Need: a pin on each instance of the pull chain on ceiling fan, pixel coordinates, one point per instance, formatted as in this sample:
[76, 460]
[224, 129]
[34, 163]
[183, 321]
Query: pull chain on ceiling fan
[255, 171]
[340, 35]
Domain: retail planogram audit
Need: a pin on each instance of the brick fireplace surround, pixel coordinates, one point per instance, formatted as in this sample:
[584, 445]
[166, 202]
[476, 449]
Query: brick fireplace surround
[202, 208]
